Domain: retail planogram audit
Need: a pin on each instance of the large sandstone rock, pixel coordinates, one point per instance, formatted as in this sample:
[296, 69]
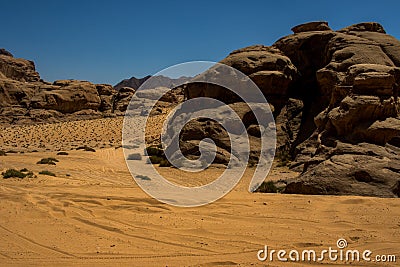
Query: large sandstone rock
[17, 69]
[16, 93]
[266, 66]
[363, 169]
[122, 98]
[67, 96]
[357, 88]
[336, 103]
[312, 26]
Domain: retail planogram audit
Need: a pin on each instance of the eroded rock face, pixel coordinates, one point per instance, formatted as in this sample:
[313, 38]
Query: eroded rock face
[17, 68]
[349, 152]
[335, 95]
[67, 97]
[25, 98]
[268, 67]
[312, 26]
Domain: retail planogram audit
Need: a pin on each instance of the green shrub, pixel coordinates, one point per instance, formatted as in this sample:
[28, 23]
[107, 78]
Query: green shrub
[134, 156]
[3, 153]
[30, 175]
[49, 161]
[47, 173]
[267, 187]
[13, 173]
[24, 170]
[143, 177]
[62, 153]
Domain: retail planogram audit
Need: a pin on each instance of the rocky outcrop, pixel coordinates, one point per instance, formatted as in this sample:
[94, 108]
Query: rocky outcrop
[266, 66]
[17, 69]
[122, 98]
[312, 26]
[25, 98]
[349, 150]
[335, 98]
[67, 96]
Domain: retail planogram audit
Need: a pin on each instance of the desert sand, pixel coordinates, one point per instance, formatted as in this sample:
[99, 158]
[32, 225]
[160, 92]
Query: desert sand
[93, 212]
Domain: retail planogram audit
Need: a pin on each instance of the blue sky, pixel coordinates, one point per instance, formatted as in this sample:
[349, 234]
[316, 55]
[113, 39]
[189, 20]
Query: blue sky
[107, 41]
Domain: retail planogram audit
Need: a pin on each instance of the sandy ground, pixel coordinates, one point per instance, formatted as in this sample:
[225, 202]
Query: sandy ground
[93, 213]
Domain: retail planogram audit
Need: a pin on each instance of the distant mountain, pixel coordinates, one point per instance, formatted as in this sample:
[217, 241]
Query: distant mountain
[156, 81]
[133, 82]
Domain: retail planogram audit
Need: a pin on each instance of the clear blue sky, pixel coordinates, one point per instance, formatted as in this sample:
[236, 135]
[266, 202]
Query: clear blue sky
[107, 41]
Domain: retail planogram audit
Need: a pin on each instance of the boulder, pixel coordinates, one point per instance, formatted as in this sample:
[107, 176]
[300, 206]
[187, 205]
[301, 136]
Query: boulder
[268, 67]
[364, 27]
[364, 169]
[17, 68]
[5, 52]
[67, 96]
[312, 26]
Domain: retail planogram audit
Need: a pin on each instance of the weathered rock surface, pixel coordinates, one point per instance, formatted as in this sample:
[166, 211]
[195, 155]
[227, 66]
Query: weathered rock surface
[312, 26]
[17, 69]
[335, 97]
[67, 97]
[25, 98]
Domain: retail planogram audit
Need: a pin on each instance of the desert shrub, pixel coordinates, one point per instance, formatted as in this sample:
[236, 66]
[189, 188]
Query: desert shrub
[62, 153]
[267, 187]
[12, 152]
[143, 177]
[134, 156]
[165, 163]
[49, 173]
[13, 173]
[27, 173]
[49, 161]
[30, 174]
[3, 153]
[86, 148]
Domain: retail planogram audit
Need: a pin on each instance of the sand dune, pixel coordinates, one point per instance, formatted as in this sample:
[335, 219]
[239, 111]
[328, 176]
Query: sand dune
[97, 215]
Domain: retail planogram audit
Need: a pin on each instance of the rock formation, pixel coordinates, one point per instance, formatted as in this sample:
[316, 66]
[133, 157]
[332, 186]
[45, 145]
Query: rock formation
[154, 82]
[26, 98]
[335, 98]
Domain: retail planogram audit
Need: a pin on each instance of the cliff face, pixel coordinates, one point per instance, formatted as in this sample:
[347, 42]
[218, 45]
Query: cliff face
[335, 98]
